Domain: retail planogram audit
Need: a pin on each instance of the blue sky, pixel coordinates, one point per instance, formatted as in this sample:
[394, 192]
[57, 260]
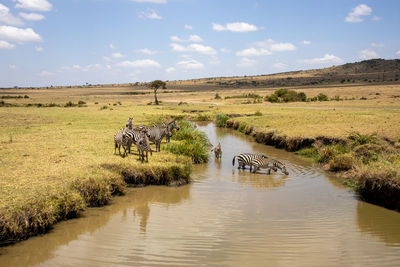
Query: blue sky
[59, 42]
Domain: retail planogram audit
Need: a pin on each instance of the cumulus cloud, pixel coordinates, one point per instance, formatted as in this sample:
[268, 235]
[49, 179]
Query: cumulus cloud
[357, 14]
[235, 27]
[192, 38]
[398, 53]
[326, 59]
[117, 55]
[151, 14]
[6, 45]
[190, 64]
[31, 16]
[265, 48]
[367, 54]
[225, 50]
[188, 27]
[141, 63]
[19, 35]
[147, 51]
[151, 1]
[12, 67]
[246, 62]
[306, 42]
[8, 18]
[35, 5]
[377, 45]
[199, 48]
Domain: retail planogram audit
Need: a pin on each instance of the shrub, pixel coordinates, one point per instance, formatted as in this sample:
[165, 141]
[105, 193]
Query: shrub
[221, 119]
[203, 117]
[285, 95]
[322, 97]
[80, 102]
[361, 139]
[341, 163]
[258, 113]
[104, 107]
[217, 96]
[69, 104]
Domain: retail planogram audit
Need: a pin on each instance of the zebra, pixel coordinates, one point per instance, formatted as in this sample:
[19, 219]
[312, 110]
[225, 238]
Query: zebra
[157, 133]
[143, 145]
[270, 164]
[246, 158]
[217, 150]
[172, 125]
[129, 124]
[121, 139]
[133, 135]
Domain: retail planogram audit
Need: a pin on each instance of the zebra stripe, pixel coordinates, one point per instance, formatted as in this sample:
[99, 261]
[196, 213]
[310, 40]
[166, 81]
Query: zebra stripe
[246, 158]
[270, 164]
[143, 145]
[121, 139]
[156, 134]
[172, 125]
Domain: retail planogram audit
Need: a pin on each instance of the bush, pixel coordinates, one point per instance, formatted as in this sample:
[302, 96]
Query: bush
[203, 117]
[221, 119]
[285, 95]
[361, 139]
[341, 163]
[104, 107]
[322, 97]
[258, 113]
[217, 96]
[80, 102]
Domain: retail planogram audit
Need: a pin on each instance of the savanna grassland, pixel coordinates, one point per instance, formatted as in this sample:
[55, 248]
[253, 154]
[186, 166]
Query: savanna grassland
[57, 155]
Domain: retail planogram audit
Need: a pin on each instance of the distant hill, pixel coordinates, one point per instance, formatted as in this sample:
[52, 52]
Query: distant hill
[367, 71]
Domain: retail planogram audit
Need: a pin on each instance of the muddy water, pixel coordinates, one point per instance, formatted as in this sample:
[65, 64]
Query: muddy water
[226, 217]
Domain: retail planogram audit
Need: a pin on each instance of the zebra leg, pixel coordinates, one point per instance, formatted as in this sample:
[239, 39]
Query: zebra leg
[147, 156]
[119, 148]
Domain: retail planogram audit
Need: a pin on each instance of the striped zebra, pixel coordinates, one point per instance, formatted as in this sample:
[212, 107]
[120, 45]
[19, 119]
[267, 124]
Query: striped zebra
[171, 126]
[143, 145]
[133, 135]
[121, 139]
[246, 158]
[270, 164]
[217, 151]
[129, 124]
[157, 133]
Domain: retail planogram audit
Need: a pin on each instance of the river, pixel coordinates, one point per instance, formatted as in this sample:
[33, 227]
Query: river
[226, 217]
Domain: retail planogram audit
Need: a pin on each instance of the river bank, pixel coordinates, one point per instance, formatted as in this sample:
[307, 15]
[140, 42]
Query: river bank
[367, 163]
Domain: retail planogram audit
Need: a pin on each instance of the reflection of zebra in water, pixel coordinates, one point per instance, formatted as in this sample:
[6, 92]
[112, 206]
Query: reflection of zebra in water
[270, 164]
[172, 125]
[246, 158]
[143, 145]
[121, 139]
[217, 151]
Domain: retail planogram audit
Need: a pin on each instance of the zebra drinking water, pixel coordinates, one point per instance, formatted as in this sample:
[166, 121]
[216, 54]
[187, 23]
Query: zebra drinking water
[121, 139]
[217, 151]
[143, 145]
[246, 158]
[270, 164]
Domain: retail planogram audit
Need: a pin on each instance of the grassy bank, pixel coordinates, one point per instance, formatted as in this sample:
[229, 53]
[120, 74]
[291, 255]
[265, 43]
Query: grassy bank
[57, 161]
[368, 163]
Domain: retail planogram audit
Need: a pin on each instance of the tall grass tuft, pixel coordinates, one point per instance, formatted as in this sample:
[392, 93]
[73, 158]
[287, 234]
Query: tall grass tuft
[191, 142]
[221, 119]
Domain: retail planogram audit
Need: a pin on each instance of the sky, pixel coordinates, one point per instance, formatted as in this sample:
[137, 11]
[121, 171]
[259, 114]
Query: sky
[75, 42]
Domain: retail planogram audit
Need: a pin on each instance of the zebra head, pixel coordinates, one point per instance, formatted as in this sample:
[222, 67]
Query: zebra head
[129, 123]
[173, 125]
[145, 131]
[284, 170]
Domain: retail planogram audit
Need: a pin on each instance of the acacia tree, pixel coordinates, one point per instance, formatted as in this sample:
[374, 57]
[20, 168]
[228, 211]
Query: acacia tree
[155, 85]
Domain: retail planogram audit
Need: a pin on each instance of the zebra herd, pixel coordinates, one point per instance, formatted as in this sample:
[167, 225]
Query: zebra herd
[141, 137]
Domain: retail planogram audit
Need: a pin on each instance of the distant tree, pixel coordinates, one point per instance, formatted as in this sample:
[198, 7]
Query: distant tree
[155, 85]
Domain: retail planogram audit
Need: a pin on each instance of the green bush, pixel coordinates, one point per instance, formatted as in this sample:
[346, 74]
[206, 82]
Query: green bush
[341, 163]
[217, 96]
[309, 152]
[258, 113]
[221, 119]
[322, 97]
[285, 95]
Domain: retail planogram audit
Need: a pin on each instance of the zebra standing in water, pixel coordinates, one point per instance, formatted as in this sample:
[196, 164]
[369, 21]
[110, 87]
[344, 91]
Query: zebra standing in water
[143, 145]
[172, 125]
[121, 139]
[246, 158]
[217, 150]
[270, 164]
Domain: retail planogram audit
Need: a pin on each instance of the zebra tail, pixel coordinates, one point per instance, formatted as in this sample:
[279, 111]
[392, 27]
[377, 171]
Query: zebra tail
[233, 161]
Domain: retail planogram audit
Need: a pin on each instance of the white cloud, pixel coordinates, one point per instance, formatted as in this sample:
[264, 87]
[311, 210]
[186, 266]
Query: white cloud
[199, 48]
[117, 55]
[266, 48]
[306, 42]
[188, 27]
[279, 65]
[12, 67]
[356, 14]
[190, 64]
[192, 38]
[151, 14]
[245, 62]
[141, 63]
[235, 27]
[225, 50]
[8, 18]
[326, 59]
[36, 5]
[31, 16]
[19, 35]
[367, 54]
[170, 69]
[377, 45]
[147, 51]
[398, 53]
[151, 1]
[253, 52]
[39, 48]
[6, 45]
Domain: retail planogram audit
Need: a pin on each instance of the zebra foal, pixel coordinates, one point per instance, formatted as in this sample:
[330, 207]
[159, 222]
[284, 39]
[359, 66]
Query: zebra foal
[121, 139]
[217, 151]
